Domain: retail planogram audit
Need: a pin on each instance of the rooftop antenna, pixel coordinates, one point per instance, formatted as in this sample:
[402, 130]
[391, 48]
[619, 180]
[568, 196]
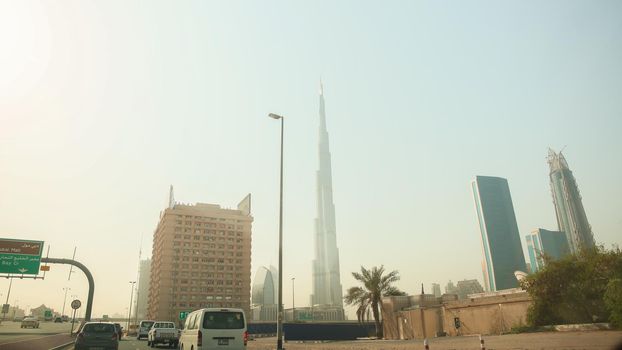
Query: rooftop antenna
[171, 199]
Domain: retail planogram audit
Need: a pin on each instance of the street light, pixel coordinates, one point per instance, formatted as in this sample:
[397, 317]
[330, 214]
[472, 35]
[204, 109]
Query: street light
[279, 319]
[129, 314]
[66, 289]
[293, 299]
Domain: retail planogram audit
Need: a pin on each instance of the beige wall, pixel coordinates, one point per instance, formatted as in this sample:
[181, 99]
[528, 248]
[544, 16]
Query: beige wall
[483, 315]
[487, 315]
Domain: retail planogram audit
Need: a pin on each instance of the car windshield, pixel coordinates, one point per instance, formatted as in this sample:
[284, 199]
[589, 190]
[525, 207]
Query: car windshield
[223, 320]
[164, 325]
[98, 328]
[146, 324]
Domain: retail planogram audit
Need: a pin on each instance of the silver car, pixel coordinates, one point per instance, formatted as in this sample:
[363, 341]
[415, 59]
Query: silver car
[97, 335]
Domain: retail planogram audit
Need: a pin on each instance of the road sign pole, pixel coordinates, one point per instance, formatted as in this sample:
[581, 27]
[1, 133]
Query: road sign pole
[7, 298]
[73, 319]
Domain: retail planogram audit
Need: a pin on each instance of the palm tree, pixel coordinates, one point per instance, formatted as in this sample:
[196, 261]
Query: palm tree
[376, 284]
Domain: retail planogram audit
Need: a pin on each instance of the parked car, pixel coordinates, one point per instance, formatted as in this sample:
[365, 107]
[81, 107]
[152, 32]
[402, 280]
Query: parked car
[30, 322]
[119, 329]
[65, 318]
[18, 318]
[214, 328]
[97, 335]
[163, 332]
[143, 329]
[58, 320]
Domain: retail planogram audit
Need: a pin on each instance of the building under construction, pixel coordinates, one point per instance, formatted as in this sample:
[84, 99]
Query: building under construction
[571, 217]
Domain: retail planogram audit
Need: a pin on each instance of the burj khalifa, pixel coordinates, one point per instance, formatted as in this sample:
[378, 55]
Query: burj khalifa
[326, 282]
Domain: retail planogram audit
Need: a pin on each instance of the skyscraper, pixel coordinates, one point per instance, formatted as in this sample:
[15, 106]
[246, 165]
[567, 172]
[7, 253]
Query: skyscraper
[571, 218]
[551, 243]
[264, 295]
[326, 277]
[142, 295]
[436, 289]
[501, 244]
[201, 258]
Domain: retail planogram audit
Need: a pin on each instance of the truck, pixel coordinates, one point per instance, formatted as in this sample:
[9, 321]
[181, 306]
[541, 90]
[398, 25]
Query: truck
[163, 332]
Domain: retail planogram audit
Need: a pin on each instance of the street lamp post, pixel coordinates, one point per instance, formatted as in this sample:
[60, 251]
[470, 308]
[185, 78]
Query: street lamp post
[293, 299]
[279, 325]
[66, 289]
[129, 314]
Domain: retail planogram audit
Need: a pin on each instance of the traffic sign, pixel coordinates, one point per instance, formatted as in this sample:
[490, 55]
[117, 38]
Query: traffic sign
[76, 304]
[5, 308]
[20, 256]
[183, 314]
[47, 314]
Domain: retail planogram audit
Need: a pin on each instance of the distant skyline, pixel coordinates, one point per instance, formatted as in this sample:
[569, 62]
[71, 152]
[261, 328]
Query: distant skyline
[103, 105]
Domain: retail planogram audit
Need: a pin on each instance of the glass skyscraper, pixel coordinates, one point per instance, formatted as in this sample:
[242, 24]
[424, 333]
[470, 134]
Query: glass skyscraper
[571, 218]
[501, 244]
[544, 242]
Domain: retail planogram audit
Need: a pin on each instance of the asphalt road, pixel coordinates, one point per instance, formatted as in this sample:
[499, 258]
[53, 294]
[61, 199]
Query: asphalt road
[132, 344]
[11, 332]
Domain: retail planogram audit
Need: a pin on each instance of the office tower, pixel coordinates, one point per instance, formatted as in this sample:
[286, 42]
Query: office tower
[326, 277]
[450, 288]
[201, 258]
[544, 242]
[264, 295]
[466, 287]
[436, 289]
[571, 218]
[501, 246]
[142, 295]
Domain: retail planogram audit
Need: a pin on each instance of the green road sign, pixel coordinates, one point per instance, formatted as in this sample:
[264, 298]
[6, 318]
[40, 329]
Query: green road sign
[183, 314]
[48, 313]
[20, 256]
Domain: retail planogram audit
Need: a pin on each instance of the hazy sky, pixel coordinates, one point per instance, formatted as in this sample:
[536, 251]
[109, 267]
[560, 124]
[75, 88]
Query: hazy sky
[104, 104]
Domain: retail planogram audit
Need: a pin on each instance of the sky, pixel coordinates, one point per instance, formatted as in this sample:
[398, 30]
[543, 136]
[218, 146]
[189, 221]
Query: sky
[104, 104]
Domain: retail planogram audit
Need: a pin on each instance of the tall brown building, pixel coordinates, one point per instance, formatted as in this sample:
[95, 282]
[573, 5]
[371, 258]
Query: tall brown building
[201, 258]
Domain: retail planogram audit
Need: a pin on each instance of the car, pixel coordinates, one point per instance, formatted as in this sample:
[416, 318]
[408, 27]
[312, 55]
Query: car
[30, 322]
[119, 330]
[97, 335]
[65, 318]
[58, 320]
[18, 318]
[163, 332]
[143, 329]
[214, 328]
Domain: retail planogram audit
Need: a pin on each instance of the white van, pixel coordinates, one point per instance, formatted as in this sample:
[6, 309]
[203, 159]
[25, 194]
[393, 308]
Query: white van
[214, 328]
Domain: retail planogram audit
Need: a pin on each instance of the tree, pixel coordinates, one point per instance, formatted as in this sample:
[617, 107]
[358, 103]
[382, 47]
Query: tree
[572, 289]
[376, 284]
[613, 301]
